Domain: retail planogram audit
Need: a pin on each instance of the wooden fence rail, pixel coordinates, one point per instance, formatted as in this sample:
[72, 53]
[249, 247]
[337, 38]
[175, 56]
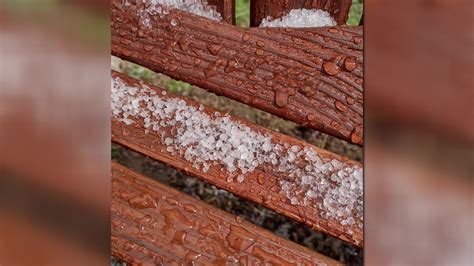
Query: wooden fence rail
[313, 76]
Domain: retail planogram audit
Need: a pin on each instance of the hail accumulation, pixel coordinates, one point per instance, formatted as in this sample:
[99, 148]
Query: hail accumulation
[301, 18]
[208, 139]
[162, 7]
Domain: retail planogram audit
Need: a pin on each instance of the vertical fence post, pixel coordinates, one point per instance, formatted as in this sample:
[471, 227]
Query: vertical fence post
[260, 9]
[226, 8]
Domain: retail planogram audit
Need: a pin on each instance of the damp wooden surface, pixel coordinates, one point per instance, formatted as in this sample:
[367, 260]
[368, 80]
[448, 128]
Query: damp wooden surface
[313, 77]
[260, 9]
[261, 186]
[153, 223]
[226, 8]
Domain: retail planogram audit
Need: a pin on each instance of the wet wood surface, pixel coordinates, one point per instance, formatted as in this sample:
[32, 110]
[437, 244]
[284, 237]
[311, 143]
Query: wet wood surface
[260, 186]
[155, 224]
[226, 8]
[313, 77]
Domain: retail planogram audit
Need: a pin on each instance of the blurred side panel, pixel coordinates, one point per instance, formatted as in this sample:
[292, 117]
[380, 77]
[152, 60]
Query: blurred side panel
[419, 159]
[421, 60]
[54, 133]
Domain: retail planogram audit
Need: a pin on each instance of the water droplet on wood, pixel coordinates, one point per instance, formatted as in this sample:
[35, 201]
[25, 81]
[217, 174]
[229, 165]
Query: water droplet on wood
[331, 68]
[340, 106]
[148, 47]
[125, 41]
[349, 64]
[350, 100]
[214, 48]
[142, 202]
[356, 135]
[281, 99]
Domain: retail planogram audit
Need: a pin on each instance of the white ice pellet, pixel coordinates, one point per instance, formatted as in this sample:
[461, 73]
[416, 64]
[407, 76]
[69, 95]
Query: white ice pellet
[162, 7]
[333, 186]
[301, 18]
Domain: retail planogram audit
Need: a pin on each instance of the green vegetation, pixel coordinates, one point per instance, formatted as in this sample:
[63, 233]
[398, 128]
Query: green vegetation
[145, 74]
[355, 13]
[176, 86]
[242, 13]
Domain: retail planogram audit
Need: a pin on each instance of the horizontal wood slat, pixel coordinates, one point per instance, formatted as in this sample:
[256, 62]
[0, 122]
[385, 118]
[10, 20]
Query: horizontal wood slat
[155, 224]
[313, 77]
[262, 185]
[260, 9]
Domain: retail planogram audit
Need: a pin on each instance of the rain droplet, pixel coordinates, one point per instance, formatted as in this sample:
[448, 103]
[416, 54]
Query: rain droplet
[214, 48]
[355, 135]
[281, 99]
[147, 47]
[190, 208]
[340, 106]
[331, 68]
[125, 41]
[261, 178]
[311, 117]
[142, 202]
[245, 37]
[349, 64]
[350, 100]
[260, 43]
[239, 238]
[172, 201]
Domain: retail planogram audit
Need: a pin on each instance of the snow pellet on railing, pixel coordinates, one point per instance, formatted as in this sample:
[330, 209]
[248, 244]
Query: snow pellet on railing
[207, 139]
[301, 18]
[162, 7]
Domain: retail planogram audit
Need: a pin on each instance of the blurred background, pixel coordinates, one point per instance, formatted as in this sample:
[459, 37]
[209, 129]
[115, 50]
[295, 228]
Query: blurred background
[54, 132]
[55, 135]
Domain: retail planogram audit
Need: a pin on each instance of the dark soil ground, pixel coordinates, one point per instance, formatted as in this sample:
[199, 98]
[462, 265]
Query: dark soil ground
[224, 200]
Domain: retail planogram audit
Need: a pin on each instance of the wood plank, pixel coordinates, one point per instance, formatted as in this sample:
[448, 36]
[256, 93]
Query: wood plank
[313, 77]
[226, 8]
[276, 180]
[260, 9]
[153, 223]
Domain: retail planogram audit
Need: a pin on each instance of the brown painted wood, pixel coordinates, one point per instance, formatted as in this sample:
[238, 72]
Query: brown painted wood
[315, 74]
[155, 224]
[226, 8]
[260, 186]
[260, 9]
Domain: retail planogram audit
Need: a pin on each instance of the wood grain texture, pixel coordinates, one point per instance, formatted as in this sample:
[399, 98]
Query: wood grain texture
[155, 224]
[261, 186]
[313, 77]
[260, 9]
